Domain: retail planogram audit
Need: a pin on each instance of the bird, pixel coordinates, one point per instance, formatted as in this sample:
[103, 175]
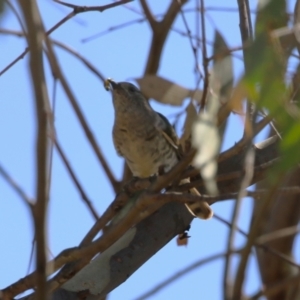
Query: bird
[146, 139]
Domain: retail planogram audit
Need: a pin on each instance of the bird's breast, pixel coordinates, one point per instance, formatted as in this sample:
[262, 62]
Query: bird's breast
[144, 148]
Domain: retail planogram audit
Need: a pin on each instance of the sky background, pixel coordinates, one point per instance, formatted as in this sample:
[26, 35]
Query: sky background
[121, 54]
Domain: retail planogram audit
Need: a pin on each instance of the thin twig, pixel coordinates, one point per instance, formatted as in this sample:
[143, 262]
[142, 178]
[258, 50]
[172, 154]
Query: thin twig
[204, 58]
[84, 60]
[81, 9]
[113, 28]
[28, 202]
[65, 47]
[76, 10]
[274, 288]
[249, 171]
[240, 274]
[243, 142]
[278, 234]
[72, 174]
[278, 254]
[194, 50]
[90, 136]
[181, 273]
[14, 10]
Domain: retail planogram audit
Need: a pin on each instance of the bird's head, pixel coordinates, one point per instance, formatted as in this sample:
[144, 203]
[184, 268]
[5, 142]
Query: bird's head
[125, 94]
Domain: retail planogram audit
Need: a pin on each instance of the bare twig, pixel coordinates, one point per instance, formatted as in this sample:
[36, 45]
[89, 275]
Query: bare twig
[80, 189]
[112, 28]
[249, 171]
[194, 50]
[181, 273]
[280, 233]
[16, 14]
[243, 142]
[240, 274]
[81, 9]
[204, 59]
[277, 287]
[90, 136]
[271, 250]
[65, 47]
[16, 187]
[76, 10]
[85, 61]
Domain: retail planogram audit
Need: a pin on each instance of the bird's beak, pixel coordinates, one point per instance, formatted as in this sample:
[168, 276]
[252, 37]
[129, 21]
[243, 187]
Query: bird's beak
[110, 84]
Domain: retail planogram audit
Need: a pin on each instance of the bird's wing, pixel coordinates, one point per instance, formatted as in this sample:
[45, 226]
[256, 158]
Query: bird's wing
[168, 132]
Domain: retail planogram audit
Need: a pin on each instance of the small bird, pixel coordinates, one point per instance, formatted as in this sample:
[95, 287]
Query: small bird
[145, 138]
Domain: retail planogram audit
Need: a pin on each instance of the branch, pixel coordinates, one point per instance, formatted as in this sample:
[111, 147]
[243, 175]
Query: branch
[35, 39]
[181, 273]
[28, 202]
[81, 9]
[204, 59]
[90, 136]
[76, 10]
[281, 216]
[160, 32]
[240, 274]
[80, 189]
[165, 224]
[148, 14]
[278, 287]
[77, 109]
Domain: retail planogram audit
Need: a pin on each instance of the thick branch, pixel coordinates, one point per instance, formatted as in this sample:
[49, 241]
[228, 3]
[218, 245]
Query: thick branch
[35, 38]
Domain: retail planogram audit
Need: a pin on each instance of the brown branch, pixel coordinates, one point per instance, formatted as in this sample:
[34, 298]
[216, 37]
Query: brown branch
[80, 189]
[283, 213]
[90, 136]
[280, 233]
[246, 181]
[160, 33]
[181, 273]
[28, 202]
[113, 28]
[194, 50]
[148, 14]
[15, 12]
[76, 10]
[247, 35]
[277, 287]
[81, 9]
[265, 248]
[240, 274]
[88, 64]
[243, 142]
[163, 220]
[204, 59]
[144, 207]
[231, 170]
[35, 39]
[65, 47]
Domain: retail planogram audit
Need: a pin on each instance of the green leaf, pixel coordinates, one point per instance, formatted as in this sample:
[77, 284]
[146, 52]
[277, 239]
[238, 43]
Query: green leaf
[271, 15]
[265, 82]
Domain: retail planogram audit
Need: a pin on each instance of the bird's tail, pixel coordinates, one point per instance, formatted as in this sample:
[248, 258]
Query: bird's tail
[198, 209]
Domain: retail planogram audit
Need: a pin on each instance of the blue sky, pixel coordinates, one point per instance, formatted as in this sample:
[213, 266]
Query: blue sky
[121, 55]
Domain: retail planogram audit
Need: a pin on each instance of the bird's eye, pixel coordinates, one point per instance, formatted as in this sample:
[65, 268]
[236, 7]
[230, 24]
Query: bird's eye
[131, 89]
